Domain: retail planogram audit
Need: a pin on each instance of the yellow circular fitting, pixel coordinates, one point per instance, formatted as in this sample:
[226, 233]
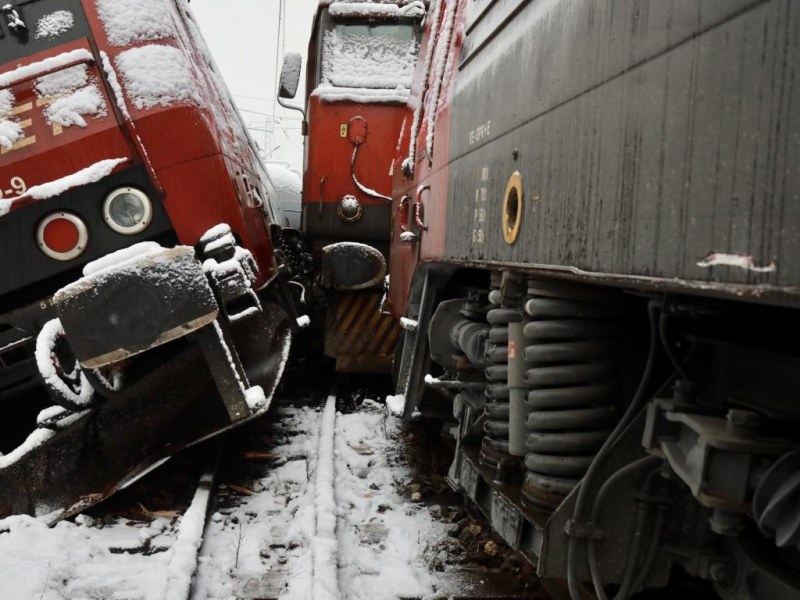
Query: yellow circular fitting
[512, 208]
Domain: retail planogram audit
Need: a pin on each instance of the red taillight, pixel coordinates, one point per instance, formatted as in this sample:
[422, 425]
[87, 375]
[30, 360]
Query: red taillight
[62, 236]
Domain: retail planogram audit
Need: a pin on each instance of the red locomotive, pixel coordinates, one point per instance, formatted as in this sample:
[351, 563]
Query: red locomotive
[595, 245]
[361, 62]
[135, 217]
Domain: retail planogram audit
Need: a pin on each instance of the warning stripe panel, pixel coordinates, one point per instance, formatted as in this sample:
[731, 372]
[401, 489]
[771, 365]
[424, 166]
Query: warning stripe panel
[355, 326]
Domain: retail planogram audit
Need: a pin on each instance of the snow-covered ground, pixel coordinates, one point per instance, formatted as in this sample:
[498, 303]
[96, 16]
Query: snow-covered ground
[327, 521]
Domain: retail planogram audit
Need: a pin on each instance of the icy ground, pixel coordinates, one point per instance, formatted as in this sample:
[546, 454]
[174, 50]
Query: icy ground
[325, 521]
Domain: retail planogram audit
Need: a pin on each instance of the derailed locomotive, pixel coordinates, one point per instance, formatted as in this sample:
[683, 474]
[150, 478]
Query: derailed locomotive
[596, 233]
[138, 237]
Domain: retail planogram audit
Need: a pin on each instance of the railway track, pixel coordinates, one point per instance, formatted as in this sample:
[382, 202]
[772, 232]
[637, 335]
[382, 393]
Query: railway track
[309, 503]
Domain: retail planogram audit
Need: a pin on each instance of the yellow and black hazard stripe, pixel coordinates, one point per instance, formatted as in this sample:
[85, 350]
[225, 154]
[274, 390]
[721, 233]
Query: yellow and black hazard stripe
[358, 335]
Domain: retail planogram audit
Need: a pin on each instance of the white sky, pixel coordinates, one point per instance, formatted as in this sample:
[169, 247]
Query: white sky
[242, 35]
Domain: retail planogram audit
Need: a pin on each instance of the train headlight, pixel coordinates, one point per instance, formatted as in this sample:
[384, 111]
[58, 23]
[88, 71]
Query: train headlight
[128, 211]
[62, 236]
[350, 209]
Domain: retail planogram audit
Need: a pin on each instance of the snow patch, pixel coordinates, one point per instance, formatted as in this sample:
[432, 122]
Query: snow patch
[330, 93]
[255, 398]
[46, 363]
[34, 440]
[54, 24]
[129, 21]
[742, 261]
[157, 75]
[71, 109]
[10, 78]
[90, 174]
[408, 324]
[303, 321]
[111, 76]
[353, 59]
[396, 404]
[120, 258]
[377, 9]
[60, 82]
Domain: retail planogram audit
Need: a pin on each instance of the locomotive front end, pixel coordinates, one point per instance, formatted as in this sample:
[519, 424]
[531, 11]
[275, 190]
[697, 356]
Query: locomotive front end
[136, 235]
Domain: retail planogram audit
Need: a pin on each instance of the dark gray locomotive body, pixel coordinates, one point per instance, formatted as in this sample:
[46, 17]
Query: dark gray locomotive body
[597, 248]
[657, 141]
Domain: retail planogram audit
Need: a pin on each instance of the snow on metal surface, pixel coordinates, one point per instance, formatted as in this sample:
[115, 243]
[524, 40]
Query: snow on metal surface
[380, 60]
[10, 128]
[54, 24]
[90, 174]
[157, 75]
[35, 439]
[121, 257]
[330, 93]
[51, 63]
[377, 9]
[60, 82]
[71, 109]
[741, 261]
[113, 81]
[50, 372]
[128, 21]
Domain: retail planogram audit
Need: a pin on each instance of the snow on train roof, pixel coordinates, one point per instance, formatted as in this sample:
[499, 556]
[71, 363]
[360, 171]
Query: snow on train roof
[413, 8]
[128, 21]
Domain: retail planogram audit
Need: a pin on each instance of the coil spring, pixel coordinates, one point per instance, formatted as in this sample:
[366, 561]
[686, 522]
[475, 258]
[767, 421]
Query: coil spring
[572, 377]
[494, 446]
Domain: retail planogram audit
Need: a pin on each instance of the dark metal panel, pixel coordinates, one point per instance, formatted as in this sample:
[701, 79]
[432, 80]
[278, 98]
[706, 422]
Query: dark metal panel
[322, 221]
[649, 135]
[24, 264]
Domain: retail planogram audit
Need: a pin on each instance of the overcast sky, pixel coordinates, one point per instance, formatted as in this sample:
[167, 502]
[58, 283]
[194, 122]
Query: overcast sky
[243, 37]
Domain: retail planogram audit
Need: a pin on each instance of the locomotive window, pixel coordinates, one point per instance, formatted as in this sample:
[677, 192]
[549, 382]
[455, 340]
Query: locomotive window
[30, 26]
[362, 54]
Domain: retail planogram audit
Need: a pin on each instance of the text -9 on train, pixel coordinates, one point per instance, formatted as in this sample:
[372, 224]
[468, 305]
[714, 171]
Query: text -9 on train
[596, 246]
[136, 235]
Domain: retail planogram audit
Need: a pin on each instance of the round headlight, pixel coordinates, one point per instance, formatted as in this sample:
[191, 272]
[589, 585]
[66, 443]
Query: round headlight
[128, 211]
[349, 209]
[62, 236]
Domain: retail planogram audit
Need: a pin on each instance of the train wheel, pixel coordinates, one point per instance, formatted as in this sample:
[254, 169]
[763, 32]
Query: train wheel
[61, 373]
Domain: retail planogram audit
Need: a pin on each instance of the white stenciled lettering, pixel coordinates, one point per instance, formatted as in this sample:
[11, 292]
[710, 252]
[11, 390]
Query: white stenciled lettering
[480, 133]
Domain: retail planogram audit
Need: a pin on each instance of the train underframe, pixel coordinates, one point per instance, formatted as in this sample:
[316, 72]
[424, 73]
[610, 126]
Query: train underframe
[617, 438]
[153, 350]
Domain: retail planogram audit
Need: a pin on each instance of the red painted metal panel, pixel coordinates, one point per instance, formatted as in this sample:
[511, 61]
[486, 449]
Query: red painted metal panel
[426, 191]
[330, 149]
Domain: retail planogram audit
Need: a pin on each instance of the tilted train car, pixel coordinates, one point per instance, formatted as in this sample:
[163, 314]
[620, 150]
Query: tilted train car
[361, 60]
[596, 231]
[136, 235]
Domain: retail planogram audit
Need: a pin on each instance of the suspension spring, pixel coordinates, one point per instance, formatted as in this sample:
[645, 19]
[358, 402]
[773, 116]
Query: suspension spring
[572, 378]
[494, 446]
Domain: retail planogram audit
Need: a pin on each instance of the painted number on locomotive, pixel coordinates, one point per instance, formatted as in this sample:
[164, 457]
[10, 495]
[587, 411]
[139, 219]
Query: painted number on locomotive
[17, 188]
[343, 130]
[480, 133]
[479, 214]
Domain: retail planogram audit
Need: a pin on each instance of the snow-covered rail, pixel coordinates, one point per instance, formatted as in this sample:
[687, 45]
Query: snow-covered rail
[323, 511]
